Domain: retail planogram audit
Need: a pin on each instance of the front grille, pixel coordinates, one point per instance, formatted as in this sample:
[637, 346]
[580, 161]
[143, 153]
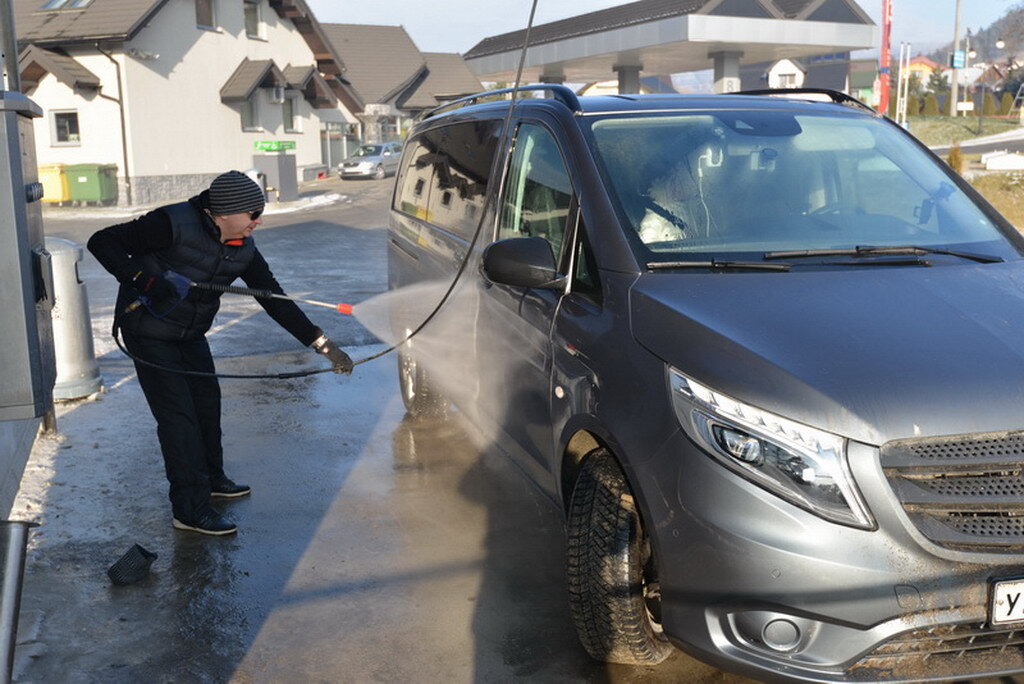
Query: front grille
[962, 491]
[965, 650]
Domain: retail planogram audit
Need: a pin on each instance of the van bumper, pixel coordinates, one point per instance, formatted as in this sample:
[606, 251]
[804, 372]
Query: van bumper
[756, 585]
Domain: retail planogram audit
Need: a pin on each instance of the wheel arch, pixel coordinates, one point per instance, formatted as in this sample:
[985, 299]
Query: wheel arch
[580, 438]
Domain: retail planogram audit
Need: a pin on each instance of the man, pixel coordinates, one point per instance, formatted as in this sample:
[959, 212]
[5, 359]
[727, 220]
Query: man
[155, 257]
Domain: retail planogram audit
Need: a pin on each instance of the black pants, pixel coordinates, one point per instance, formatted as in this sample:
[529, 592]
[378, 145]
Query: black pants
[187, 413]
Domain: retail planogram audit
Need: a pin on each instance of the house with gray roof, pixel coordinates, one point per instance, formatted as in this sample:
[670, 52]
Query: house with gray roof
[396, 80]
[174, 92]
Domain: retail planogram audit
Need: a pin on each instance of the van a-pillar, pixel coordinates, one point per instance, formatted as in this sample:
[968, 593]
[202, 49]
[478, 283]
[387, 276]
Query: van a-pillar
[727, 71]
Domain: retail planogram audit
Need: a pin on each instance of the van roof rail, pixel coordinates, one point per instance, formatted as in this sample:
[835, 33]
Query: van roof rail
[559, 92]
[836, 96]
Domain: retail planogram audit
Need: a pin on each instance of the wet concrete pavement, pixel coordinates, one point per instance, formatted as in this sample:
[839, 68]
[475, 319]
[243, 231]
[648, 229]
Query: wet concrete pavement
[373, 547]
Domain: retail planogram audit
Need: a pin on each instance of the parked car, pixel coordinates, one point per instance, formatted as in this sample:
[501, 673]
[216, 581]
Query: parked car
[766, 354]
[371, 161]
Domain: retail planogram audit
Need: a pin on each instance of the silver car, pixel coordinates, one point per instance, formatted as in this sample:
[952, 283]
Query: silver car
[374, 161]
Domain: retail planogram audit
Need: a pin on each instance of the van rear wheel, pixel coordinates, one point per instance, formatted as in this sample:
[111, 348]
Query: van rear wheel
[420, 396]
[614, 597]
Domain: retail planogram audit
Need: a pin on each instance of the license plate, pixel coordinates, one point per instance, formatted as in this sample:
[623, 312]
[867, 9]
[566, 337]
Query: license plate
[1007, 601]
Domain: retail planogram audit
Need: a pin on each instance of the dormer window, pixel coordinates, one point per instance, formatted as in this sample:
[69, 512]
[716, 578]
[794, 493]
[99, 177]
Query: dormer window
[64, 4]
[253, 27]
[206, 17]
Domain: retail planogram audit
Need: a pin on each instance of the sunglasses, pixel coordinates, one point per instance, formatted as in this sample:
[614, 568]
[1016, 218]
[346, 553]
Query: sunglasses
[253, 215]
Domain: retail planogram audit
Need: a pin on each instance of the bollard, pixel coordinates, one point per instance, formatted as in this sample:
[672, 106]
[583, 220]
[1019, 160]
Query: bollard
[78, 374]
[15, 538]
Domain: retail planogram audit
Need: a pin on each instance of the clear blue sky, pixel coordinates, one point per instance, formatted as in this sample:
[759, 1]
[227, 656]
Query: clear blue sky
[458, 25]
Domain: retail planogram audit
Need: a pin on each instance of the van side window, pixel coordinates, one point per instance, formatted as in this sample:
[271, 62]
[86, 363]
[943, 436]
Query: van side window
[414, 177]
[537, 190]
[464, 154]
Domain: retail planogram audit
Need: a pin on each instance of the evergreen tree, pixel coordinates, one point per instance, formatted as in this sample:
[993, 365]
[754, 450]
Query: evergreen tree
[913, 105]
[931, 105]
[1006, 104]
[938, 84]
[988, 106]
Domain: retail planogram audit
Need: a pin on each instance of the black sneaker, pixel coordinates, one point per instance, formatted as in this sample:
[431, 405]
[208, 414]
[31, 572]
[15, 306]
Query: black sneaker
[227, 489]
[209, 522]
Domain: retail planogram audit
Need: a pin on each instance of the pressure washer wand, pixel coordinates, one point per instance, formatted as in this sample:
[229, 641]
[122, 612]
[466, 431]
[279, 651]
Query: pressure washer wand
[267, 294]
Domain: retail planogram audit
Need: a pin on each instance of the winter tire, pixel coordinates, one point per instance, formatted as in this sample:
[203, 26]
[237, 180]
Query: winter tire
[614, 597]
[420, 396]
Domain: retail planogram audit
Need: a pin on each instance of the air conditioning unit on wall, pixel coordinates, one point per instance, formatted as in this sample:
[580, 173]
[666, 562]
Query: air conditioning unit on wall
[277, 94]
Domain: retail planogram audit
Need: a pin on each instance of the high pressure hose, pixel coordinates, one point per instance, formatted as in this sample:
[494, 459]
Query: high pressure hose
[506, 125]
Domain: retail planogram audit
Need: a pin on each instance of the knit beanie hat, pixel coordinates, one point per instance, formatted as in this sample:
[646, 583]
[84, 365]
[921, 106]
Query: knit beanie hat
[234, 192]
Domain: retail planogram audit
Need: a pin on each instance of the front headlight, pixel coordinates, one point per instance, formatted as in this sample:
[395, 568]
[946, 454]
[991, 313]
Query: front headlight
[801, 464]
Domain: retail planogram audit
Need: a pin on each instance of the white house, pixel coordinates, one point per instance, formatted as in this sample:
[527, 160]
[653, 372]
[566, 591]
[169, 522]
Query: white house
[175, 92]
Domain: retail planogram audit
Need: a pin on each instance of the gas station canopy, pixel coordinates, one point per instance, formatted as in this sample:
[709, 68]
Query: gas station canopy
[661, 37]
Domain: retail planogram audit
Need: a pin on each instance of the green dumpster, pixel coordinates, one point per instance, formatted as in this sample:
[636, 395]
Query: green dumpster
[92, 182]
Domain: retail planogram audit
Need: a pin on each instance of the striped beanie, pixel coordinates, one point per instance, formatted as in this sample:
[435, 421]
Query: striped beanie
[234, 192]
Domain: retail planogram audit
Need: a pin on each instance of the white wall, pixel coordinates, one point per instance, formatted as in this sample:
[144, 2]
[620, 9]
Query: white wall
[178, 123]
[785, 67]
[172, 73]
[98, 122]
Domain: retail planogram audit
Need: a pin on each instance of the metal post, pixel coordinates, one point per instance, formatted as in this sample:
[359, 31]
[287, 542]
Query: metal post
[9, 44]
[10, 591]
[955, 75]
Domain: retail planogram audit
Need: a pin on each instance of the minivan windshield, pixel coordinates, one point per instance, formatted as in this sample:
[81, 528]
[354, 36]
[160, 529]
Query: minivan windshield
[368, 151]
[759, 181]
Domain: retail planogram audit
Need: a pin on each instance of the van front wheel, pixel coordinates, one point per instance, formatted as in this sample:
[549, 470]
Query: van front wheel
[420, 396]
[614, 596]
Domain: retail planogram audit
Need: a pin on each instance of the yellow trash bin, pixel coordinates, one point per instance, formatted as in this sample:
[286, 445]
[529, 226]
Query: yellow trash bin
[55, 183]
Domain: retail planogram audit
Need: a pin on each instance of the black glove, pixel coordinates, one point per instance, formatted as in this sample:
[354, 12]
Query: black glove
[159, 287]
[339, 360]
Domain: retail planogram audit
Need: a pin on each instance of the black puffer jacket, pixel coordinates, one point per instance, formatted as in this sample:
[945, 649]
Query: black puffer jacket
[182, 238]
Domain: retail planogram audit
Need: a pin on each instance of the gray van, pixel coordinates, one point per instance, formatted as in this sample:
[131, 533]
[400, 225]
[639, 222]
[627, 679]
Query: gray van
[767, 355]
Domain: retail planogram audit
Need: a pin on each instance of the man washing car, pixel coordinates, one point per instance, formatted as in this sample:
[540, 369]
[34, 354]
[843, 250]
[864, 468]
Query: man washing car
[154, 257]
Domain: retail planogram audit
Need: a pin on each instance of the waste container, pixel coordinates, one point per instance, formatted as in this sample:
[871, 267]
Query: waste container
[55, 183]
[92, 182]
[78, 374]
[259, 178]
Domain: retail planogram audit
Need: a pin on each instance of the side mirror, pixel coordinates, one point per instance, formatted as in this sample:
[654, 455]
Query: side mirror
[521, 262]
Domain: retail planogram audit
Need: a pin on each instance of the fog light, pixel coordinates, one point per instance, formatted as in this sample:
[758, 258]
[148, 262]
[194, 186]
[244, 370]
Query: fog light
[739, 444]
[781, 635]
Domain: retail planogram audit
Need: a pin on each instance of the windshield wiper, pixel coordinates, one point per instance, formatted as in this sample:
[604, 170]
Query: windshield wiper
[867, 251]
[719, 265]
[880, 262]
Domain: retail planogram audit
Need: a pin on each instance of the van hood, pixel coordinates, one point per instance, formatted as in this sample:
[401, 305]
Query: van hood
[872, 354]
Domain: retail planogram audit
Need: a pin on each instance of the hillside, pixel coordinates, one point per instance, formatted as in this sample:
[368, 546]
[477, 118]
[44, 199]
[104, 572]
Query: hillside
[1009, 27]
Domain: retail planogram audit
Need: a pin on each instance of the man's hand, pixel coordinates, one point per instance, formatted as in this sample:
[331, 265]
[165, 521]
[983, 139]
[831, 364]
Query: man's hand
[180, 283]
[169, 285]
[339, 360]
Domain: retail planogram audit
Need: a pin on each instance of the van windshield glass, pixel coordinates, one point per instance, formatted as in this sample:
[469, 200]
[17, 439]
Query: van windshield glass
[756, 181]
[368, 151]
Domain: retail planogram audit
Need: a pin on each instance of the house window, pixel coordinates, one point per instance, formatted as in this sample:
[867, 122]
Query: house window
[253, 28]
[205, 16]
[289, 106]
[787, 80]
[64, 129]
[250, 120]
